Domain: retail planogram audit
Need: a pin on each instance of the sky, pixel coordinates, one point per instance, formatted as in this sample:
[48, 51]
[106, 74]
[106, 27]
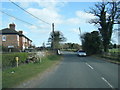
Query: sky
[67, 17]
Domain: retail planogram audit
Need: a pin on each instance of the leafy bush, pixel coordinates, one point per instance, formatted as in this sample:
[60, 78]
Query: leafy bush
[8, 60]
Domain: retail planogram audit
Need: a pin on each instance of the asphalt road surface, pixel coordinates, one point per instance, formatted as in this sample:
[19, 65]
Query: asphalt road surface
[81, 72]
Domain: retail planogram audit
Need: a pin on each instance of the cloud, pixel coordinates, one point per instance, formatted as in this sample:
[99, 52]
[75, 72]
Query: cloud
[40, 32]
[75, 30]
[32, 27]
[6, 9]
[46, 11]
[25, 33]
[37, 30]
[72, 21]
[12, 19]
[84, 15]
[46, 14]
[25, 4]
[81, 17]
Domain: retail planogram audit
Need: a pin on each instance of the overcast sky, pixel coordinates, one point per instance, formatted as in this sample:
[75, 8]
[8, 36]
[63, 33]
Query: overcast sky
[67, 17]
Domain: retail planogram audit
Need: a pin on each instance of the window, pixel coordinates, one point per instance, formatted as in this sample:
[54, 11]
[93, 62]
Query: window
[3, 38]
[17, 37]
[23, 39]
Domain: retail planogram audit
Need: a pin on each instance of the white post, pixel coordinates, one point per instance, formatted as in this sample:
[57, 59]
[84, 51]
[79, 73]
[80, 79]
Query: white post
[40, 59]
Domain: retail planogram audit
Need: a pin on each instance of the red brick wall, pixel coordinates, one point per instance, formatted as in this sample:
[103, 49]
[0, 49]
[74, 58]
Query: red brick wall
[20, 42]
[0, 40]
[11, 40]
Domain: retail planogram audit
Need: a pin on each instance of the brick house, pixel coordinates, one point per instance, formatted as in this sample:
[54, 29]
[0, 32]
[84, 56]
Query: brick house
[11, 38]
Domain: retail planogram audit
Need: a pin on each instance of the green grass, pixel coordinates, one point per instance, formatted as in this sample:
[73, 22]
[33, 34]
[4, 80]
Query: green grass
[114, 50]
[71, 50]
[26, 71]
[8, 59]
[0, 60]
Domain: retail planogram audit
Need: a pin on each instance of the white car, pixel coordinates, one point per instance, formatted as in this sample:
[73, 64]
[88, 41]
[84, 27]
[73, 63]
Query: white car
[81, 53]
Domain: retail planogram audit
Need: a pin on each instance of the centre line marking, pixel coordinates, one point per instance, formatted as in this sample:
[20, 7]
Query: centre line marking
[89, 66]
[107, 82]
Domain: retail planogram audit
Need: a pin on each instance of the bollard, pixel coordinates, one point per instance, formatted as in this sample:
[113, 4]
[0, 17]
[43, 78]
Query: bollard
[40, 59]
[17, 61]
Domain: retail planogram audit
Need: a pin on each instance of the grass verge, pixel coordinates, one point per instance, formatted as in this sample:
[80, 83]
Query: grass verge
[14, 76]
[112, 60]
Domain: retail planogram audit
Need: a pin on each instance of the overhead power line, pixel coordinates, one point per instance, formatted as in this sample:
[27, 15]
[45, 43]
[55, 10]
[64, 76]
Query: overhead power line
[18, 18]
[29, 13]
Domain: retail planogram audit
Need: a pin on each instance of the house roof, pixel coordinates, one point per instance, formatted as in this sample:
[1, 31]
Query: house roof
[8, 31]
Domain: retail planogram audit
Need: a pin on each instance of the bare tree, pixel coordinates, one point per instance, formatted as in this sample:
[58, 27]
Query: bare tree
[107, 14]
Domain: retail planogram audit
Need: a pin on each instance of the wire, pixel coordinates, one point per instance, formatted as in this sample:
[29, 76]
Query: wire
[18, 18]
[29, 13]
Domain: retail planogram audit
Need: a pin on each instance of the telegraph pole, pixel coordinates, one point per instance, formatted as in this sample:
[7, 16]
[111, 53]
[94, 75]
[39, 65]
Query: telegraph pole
[80, 31]
[52, 27]
[80, 35]
[53, 36]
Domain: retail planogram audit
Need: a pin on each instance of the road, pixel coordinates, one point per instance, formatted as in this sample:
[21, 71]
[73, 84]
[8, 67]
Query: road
[81, 72]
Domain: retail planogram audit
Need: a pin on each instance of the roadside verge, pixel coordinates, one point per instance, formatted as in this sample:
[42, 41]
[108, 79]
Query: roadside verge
[107, 59]
[14, 76]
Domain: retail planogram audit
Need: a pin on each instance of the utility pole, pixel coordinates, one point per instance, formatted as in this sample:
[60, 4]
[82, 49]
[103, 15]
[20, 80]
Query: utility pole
[53, 36]
[52, 27]
[80, 35]
[80, 31]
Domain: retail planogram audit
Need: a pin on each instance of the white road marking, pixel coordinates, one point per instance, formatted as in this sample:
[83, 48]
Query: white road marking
[89, 66]
[107, 82]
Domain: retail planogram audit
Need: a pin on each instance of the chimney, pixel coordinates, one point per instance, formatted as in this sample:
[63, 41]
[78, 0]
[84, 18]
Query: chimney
[12, 26]
[20, 32]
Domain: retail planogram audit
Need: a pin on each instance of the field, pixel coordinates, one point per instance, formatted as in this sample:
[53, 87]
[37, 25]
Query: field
[113, 54]
[115, 50]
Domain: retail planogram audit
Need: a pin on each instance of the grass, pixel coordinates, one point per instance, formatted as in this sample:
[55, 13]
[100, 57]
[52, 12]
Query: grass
[0, 71]
[8, 59]
[26, 71]
[112, 56]
[114, 50]
[71, 50]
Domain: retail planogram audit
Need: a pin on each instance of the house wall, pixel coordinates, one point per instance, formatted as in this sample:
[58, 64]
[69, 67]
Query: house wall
[11, 40]
[20, 43]
[28, 43]
[0, 40]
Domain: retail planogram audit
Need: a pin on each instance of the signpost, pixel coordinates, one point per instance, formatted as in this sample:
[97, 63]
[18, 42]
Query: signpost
[17, 61]
[10, 48]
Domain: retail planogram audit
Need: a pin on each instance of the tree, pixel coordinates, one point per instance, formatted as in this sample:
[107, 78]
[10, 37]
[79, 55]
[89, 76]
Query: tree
[55, 38]
[71, 46]
[91, 42]
[106, 16]
[114, 46]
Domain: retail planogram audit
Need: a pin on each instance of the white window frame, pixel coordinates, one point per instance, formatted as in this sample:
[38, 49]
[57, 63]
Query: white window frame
[23, 39]
[17, 37]
[3, 38]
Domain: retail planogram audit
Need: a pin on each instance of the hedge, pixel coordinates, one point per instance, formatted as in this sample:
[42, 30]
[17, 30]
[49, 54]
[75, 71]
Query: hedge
[8, 60]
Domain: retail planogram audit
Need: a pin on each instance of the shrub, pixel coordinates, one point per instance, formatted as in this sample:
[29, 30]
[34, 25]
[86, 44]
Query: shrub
[8, 60]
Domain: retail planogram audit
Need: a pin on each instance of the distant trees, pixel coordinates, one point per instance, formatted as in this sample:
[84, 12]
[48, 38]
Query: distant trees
[91, 42]
[71, 46]
[55, 39]
[107, 14]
